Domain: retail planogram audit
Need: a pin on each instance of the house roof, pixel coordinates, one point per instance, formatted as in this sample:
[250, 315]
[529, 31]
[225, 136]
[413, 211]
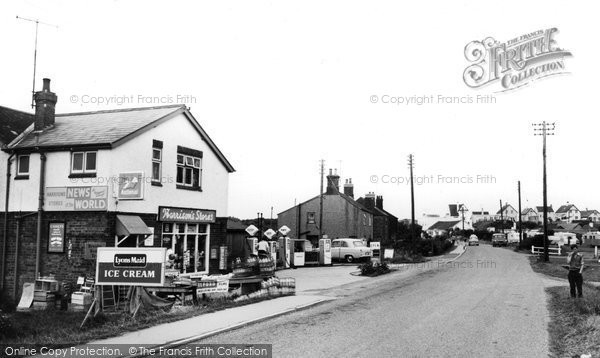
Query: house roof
[540, 209]
[108, 129]
[587, 213]
[342, 195]
[506, 206]
[566, 208]
[527, 210]
[13, 123]
[444, 225]
[235, 224]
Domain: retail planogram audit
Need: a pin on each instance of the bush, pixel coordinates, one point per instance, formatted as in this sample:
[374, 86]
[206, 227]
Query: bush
[373, 269]
[6, 328]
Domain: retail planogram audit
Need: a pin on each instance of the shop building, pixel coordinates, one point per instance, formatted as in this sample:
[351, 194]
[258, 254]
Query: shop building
[128, 177]
[343, 217]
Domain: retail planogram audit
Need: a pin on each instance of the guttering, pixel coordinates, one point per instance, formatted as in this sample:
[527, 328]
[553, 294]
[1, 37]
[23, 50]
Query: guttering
[40, 212]
[5, 235]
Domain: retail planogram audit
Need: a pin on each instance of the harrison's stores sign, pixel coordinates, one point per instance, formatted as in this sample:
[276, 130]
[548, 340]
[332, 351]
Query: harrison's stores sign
[169, 214]
[131, 266]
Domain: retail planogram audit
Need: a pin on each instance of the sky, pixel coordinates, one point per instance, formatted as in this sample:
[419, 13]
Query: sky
[281, 85]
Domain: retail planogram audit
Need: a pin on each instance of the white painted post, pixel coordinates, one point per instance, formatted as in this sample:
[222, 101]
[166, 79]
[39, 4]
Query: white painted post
[559, 250]
[596, 251]
[532, 249]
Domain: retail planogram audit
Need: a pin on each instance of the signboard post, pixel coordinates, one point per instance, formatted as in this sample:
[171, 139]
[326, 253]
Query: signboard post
[269, 233]
[251, 230]
[131, 266]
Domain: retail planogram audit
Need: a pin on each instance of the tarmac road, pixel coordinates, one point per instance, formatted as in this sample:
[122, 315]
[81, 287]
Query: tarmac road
[488, 303]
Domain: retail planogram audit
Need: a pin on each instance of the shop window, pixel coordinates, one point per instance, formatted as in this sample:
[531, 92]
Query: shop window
[22, 167]
[189, 169]
[310, 217]
[83, 163]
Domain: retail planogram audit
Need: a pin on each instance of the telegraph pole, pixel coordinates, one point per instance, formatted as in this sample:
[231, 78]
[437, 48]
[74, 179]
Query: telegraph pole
[462, 211]
[501, 217]
[411, 163]
[545, 129]
[520, 214]
[321, 200]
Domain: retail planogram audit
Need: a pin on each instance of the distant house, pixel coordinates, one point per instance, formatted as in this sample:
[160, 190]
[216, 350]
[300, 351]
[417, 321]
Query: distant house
[508, 213]
[568, 213]
[441, 228]
[477, 216]
[550, 212]
[385, 225]
[530, 215]
[342, 215]
[590, 215]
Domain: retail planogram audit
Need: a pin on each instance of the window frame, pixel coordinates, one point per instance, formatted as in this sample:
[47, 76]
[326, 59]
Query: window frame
[157, 161]
[191, 167]
[19, 172]
[84, 158]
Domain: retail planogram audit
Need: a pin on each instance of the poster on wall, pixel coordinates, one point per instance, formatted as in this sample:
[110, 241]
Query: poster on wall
[131, 186]
[76, 198]
[56, 237]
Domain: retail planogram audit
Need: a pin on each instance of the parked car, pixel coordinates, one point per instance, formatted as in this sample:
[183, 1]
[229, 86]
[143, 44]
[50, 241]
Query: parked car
[473, 240]
[350, 250]
[499, 239]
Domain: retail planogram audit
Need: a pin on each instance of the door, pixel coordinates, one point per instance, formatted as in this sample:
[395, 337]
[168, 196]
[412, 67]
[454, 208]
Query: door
[335, 249]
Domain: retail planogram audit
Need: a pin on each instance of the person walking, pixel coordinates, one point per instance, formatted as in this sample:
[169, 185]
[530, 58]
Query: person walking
[575, 262]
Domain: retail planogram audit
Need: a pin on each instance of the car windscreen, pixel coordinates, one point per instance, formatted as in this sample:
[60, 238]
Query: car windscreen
[359, 244]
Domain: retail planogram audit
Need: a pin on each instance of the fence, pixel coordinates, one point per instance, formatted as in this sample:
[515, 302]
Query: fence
[540, 250]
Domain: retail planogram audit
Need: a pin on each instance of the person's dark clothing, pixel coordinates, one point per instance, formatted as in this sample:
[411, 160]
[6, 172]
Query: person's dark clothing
[576, 282]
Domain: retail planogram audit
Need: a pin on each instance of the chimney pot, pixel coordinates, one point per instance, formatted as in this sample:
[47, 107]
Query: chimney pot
[45, 107]
[46, 86]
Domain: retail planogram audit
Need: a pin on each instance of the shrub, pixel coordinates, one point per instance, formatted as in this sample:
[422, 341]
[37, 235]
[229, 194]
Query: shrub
[373, 269]
[6, 328]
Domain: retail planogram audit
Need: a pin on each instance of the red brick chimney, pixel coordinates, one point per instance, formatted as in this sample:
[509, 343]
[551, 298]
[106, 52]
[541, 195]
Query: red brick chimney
[370, 200]
[349, 188]
[45, 105]
[333, 183]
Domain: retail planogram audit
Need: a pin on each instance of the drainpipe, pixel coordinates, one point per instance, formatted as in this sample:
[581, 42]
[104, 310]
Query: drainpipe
[39, 214]
[5, 236]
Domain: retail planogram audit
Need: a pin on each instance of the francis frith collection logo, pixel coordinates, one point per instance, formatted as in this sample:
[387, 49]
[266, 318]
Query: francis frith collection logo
[516, 62]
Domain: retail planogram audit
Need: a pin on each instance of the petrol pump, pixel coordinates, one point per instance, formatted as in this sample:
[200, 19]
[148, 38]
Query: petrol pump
[273, 250]
[325, 252]
[285, 250]
[253, 242]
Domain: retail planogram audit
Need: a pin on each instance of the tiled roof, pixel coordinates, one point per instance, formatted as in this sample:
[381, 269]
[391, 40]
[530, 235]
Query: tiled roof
[506, 206]
[540, 209]
[443, 225]
[13, 123]
[566, 208]
[108, 128]
[91, 128]
[587, 213]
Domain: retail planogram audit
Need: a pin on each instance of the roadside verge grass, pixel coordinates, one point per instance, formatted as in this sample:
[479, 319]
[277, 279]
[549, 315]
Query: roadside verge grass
[574, 323]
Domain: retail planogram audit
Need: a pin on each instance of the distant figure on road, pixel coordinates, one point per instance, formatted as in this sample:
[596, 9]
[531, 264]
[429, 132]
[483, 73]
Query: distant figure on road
[263, 248]
[575, 262]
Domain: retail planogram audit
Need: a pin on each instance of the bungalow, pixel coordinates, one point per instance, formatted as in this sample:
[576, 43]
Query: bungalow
[529, 214]
[441, 228]
[590, 215]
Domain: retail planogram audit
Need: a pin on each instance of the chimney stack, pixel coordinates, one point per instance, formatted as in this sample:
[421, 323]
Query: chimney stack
[379, 202]
[349, 188]
[45, 107]
[333, 183]
[370, 200]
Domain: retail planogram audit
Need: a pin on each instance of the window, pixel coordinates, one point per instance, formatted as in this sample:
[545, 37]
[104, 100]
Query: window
[336, 244]
[310, 217]
[83, 163]
[23, 165]
[189, 168]
[156, 161]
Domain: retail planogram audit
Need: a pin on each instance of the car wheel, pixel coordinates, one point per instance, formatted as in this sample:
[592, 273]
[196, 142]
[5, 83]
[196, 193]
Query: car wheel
[349, 258]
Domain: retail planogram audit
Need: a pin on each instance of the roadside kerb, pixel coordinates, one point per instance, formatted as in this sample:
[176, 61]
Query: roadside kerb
[187, 340]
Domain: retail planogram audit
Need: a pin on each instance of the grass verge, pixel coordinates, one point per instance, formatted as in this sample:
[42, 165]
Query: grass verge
[574, 323]
[53, 328]
[553, 268]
